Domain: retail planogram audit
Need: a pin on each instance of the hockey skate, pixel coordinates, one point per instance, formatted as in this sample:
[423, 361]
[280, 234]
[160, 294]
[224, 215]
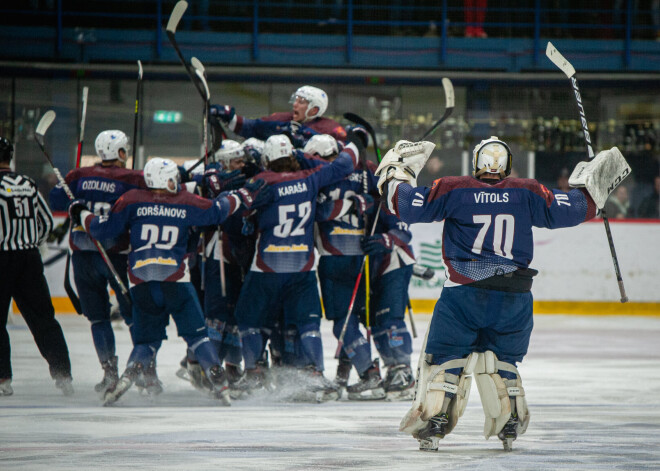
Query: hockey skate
[182, 372]
[237, 379]
[127, 379]
[314, 387]
[110, 376]
[509, 433]
[399, 383]
[148, 381]
[197, 376]
[435, 430]
[65, 384]
[369, 388]
[5, 387]
[220, 386]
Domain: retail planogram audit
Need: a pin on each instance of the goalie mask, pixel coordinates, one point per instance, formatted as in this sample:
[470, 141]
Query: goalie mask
[229, 151]
[277, 147]
[493, 157]
[162, 174]
[109, 143]
[323, 145]
[315, 97]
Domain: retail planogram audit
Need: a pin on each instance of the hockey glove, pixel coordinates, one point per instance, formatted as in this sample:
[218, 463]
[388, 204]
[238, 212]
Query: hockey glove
[359, 137]
[253, 147]
[58, 233]
[601, 175]
[75, 208]
[255, 193]
[215, 182]
[224, 112]
[377, 244]
[404, 162]
[361, 203]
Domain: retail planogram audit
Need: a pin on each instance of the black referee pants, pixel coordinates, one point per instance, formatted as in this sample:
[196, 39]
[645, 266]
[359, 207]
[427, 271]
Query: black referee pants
[22, 278]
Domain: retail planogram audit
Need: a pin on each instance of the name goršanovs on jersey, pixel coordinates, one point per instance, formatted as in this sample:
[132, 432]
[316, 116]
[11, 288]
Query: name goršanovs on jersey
[159, 210]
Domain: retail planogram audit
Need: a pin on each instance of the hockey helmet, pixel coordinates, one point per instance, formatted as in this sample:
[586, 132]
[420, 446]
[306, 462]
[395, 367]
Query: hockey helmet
[315, 97]
[229, 150]
[6, 150]
[324, 145]
[158, 173]
[197, 169]
[493, 157]
[254, 148]
[277, 147]
[109, 143]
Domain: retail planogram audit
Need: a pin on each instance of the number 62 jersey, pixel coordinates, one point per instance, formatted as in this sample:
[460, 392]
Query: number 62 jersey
[488, 227]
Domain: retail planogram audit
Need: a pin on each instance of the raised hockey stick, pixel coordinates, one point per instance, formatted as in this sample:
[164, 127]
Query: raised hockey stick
[412, 320]
[566, 67]
[216, 137]
[45, 122]
[136, 119]
[68, 288]
[449, 107]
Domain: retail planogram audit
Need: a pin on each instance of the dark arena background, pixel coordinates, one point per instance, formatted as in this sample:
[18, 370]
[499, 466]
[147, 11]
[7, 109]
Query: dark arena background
[592, 373]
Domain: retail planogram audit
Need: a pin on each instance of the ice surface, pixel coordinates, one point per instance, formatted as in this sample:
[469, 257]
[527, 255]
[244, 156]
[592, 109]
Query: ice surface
[592, 383]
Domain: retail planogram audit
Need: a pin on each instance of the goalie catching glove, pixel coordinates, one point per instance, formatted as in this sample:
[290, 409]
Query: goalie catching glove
[404, 162]
[601, 175]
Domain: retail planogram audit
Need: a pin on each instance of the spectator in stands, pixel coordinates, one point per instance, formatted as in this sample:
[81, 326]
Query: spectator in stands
[618, 204]
[475, 14]
[562, 180]
[649, 205]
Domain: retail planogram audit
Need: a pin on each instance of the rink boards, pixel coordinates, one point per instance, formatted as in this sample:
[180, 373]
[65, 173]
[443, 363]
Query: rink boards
[576, 274]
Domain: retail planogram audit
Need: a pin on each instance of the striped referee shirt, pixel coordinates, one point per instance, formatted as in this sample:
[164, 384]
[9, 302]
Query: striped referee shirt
[25, 219]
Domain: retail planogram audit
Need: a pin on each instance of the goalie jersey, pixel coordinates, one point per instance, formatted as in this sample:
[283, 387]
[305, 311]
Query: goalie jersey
[487, 228]
[158, 225]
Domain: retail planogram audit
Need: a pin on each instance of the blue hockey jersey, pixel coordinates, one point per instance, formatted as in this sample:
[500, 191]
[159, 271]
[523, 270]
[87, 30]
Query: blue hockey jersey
[285, 242]
[100, 187]
[159, 229]
[488, 228]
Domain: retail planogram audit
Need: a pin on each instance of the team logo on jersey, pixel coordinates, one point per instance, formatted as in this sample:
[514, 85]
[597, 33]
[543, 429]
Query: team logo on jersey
[340, 231]
[286, 248]
[154, 260]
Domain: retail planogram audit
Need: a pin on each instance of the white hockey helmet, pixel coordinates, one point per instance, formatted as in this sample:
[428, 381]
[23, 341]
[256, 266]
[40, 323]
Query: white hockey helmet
[229, 150]
[158, 173]
[277, 147]
[324, 145]
[198, 170]
[109, 143]
[492, 156]
[315, 97]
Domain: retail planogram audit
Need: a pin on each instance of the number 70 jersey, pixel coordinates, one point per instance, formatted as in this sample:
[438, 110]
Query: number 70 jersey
[488, 228]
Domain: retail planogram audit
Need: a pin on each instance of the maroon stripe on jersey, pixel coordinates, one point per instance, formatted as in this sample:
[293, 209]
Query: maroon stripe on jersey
[327, 246]
[310, 263]
[453, 274]
[177, 275]
[337, 206]
[239, 124]
[261, 265]
[591, 205]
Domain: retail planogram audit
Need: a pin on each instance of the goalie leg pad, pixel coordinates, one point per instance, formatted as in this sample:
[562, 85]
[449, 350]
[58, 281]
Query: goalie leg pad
[434, 383]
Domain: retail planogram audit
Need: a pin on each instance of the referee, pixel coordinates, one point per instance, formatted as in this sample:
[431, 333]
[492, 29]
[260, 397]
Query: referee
[25, 222]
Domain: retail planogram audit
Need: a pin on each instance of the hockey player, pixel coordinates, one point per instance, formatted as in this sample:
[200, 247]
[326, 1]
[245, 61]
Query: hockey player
[282, 277]
[483, 320]
[158, 220]
[392, 259]
[300, 124]
[100, 186]
[340, 226]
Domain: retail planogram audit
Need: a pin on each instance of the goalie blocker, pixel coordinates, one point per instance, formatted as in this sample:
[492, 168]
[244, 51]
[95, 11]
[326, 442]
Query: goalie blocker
[601, 175]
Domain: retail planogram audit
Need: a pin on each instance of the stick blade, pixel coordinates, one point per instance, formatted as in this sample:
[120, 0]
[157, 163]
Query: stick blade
[559, 60]
[177, 13]
[200, 76]
[449, 92]
[197, 64]
[45, 122]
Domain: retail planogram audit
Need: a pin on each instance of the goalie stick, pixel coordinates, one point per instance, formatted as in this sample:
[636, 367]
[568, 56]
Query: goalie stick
[45, 122]
[560, 61]
[449, 107]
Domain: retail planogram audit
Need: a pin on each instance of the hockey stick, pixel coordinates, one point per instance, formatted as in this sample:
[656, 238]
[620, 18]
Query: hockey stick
[70, 292]
[45, 122]
[216, 137]
[449, 107]
[412, 320]
[566, 67]
[138, 93]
